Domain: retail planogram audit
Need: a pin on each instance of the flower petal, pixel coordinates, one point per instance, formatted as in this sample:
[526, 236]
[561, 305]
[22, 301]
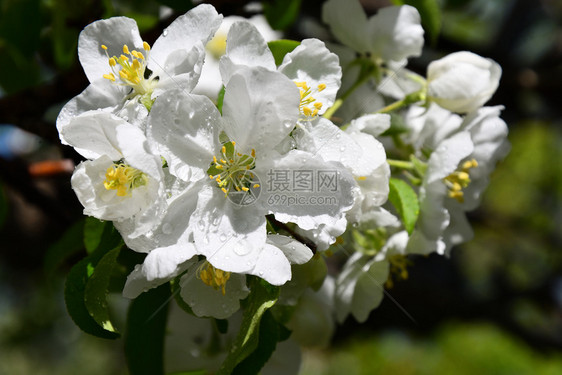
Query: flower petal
[446, 158]
[396, 33]
[348, 23]
[114, 33]
[245, 47]
[197, 25]
[181, 69]
[319, 192]
[206, 301]
[102, 94]
[313, 63]
[296, 252]
[260, 109]
[272, 265]
[159, 266]
[230, 236]
[184, 129]
[94, 133]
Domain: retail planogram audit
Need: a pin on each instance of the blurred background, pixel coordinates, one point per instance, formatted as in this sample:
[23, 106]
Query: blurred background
[494, 307]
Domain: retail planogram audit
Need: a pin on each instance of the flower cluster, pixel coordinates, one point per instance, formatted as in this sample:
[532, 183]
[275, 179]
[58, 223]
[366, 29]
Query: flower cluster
[295, 162]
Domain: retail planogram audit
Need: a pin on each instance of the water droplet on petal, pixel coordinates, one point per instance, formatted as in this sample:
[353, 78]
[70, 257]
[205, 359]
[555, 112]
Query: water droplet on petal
[165, 32]
[222, 237]
[167, 228]
[288, 124]
[342, 148]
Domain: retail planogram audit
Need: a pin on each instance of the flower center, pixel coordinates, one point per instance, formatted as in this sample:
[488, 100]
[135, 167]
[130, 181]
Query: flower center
[308, 106]
[123, 178]
[398, 269]
[213, 277]
[231, 170]
[459, 180]
[129, 69]
[217, 46]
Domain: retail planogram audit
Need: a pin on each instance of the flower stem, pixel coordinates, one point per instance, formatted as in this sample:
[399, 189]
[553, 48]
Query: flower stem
[400, 164]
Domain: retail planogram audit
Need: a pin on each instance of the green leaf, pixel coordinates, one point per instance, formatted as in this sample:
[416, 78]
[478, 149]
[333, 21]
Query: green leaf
[262, 297]
[220, 99]
[269, 336]
[430, 13]
[279, 48]
[74, 292]
[95, 294]
[93, 231]
[405, 200]
[281, 13]
[146, 324]
[69, 244]
[77, 280]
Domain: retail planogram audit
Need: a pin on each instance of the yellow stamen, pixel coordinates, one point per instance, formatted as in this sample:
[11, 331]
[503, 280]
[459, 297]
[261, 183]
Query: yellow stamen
[321, 87]
[213, 277]
[126, 50]
[146, 46]
[104, 47]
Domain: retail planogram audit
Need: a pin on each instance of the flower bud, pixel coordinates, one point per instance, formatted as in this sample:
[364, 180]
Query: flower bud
[462, 82]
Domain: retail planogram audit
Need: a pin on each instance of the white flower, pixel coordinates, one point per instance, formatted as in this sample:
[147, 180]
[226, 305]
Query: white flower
[360, 285]
[210, 82]
[115, 60]
[260, 109]
[457, 173]
[124, 182]
[462, 81]
[393, 34]
[313, 68]
[361, 154]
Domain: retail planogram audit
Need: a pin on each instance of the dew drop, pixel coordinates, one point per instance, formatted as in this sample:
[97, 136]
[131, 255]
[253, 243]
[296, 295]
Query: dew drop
[342, 148]
[201, 224]
[222, 237]
[293, 247]
[167, 228]
[338, 135]
[165, 32]
[261, 273]
[288, 124]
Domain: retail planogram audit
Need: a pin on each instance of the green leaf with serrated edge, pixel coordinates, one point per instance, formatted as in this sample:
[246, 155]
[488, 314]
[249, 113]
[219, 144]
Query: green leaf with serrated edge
[281, 13]
[69, 244]
[93, 231]
[146, 325]
[95, 294]
[269, 336]
[430, 13]
[262, 297]
[405, 200]
[279, 48]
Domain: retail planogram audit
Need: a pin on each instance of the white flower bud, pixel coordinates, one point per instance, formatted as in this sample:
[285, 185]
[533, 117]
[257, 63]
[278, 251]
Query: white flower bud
[463, 81]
